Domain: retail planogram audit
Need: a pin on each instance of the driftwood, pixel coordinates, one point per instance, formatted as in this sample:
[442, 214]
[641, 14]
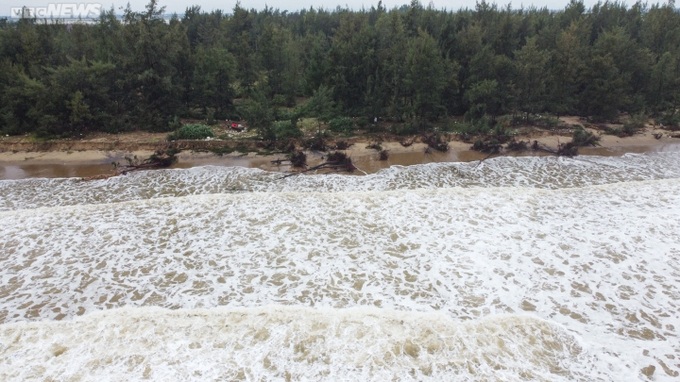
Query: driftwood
[335, 161]
[407, 141]
[159, 159]
[296, 159]
[492, 154]
[436, 141]
[569, 149]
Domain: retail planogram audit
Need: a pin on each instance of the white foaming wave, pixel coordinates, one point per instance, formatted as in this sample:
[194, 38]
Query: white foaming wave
[603, 261]
[298, 343]
[538, 172]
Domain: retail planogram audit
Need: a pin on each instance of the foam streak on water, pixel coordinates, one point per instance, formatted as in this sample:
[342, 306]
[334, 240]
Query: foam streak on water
[538, 172]
[277, 343]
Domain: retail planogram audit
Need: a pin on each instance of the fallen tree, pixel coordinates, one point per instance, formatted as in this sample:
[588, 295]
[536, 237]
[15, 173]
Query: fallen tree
[336, 160]
[159, 159]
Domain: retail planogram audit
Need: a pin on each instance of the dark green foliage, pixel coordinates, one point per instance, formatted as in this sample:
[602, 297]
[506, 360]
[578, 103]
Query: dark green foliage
[341, 125]
[321, 105]
[670, 119]
[258, 113]
[413, 67]
[469, 129]
[630, 127]
[175, 123]
[191, 131]
[546, 121]
[501, 134]
[407, 128]
[583, 137]
[285, 130]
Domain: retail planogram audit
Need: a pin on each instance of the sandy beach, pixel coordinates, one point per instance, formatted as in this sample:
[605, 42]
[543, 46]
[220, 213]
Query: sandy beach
[78, 159]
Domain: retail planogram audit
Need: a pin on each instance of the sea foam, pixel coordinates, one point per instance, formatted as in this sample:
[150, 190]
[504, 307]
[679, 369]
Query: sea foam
[602, 262]
[296, 343]
[533, 172]
[524, 253]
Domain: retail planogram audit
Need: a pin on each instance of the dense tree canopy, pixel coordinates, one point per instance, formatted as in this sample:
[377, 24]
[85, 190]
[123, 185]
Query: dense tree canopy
[413, 63]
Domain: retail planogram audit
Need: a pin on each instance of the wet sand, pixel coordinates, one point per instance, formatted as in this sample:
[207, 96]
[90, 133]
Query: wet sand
[59, 164]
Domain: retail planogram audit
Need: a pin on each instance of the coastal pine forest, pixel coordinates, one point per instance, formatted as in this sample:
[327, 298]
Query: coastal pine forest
[414, 66]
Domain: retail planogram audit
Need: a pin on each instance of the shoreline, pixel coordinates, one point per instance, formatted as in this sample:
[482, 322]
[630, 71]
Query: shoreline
[60, 163]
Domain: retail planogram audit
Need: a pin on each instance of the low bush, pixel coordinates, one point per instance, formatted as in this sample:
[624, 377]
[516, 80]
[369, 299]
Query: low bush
[582, 137]
[341, 125]
[174, 123]
[286, 130]
[210, 116]
[406, 128]
[467, 130]
[191, 131]
[670, 120]
[501, 133]
[633, 126]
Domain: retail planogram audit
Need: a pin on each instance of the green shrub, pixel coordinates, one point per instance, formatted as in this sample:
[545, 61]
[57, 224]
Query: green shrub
[283, 114]
[501, 134]
[280, 100]
[406, 128]
[582, 137]
[633, 126]
[286, 130]
[175, 123]
[669, 120]
[341, 125]
[210, 116]
[547, 121]
[467, 130]
[363, 122]
[191, 131]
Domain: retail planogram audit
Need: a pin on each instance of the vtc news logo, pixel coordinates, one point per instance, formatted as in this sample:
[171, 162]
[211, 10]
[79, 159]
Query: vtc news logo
[58, 11]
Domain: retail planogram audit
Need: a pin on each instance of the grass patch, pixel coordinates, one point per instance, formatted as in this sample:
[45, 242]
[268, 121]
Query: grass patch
[192, 131]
